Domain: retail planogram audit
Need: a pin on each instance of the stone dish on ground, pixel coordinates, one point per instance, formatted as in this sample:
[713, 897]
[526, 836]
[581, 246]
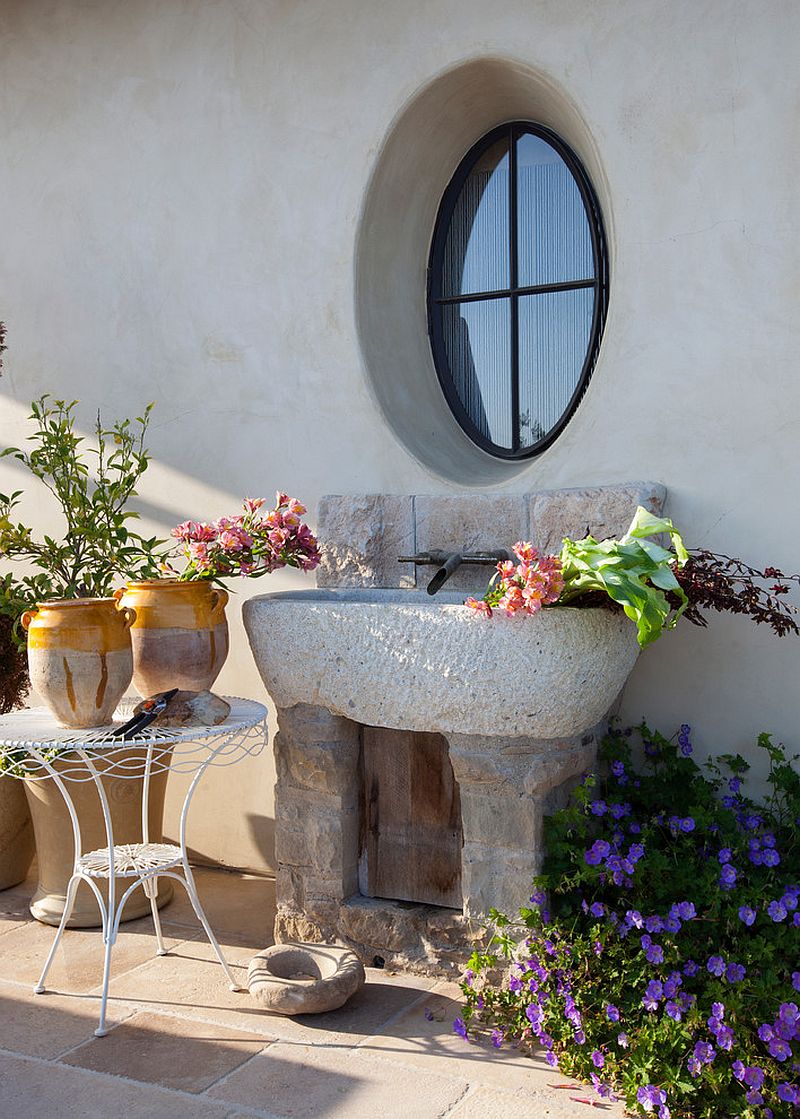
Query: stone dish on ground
[299, 978]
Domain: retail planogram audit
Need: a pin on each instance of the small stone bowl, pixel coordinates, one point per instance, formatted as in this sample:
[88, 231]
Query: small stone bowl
[298, 978]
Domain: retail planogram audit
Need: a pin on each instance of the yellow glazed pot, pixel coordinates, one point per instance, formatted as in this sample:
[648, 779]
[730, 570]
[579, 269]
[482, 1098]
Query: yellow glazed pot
[180, 635]
[80, 658]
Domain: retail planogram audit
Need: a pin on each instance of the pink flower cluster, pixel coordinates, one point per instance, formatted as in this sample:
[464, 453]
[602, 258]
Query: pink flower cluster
[252, 543]
[526, 587]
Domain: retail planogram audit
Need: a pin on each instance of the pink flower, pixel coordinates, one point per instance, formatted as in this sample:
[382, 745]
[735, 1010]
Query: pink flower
[278, 538]
[526, 552]
[253, 504]
[512, 601]
[480, 606]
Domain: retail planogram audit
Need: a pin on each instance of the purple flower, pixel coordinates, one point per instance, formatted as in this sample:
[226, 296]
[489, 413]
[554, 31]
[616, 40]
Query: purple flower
[655, 954]
[789, 900]
[622, 1040]
[694, 1066]
[716, 965]
[725, 855]
[796, 980]
[673, 1010]
[768, 839]
[538, 897]
[597, 909]
[779, 1049]
[654, 924]
[598, 807]
[727, 877]
[737, 1068]
[753, 1076]
[788, 1093]
[735, 973]
[611, 1012]
[690, 968]
[653, 995]
[580, 1037]
[551, 1058]
[598, 1060]
[770, 857]
[747, 914]
[497, 1038]
[735, 784]
[515, 984]
[704, 1053]
[765, 1032]
[686, 910]
[725, 1037]
[777, 911]
[651, 1097]
[460, 1027]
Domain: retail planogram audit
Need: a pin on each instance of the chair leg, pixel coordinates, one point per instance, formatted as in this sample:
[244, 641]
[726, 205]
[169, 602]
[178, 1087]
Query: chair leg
[150, 886]
[191, 890]
[69, 902]
[101, 1030]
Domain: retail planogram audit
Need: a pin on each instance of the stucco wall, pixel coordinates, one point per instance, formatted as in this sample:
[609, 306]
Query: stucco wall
[182, 187]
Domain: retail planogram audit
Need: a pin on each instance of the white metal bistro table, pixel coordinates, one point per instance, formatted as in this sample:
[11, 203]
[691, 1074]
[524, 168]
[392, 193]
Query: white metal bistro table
[33, 747]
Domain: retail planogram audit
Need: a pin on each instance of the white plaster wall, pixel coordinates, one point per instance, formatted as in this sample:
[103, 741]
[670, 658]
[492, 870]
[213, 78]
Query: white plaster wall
[180, 191]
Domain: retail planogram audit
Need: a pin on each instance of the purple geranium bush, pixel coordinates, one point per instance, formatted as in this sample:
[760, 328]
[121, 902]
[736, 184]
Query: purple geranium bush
[658, 955]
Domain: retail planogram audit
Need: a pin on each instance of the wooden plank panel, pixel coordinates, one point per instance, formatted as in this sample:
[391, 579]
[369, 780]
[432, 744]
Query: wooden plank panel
[411, 835]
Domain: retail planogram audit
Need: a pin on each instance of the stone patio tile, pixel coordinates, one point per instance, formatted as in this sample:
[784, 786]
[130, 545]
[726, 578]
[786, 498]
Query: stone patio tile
[190, 983]
[47, 1025]
[418, 1042]
[303, 1082]
[78, 966]
[29, 1087]
[178, 1053]
[558, 1104]
[240, 907]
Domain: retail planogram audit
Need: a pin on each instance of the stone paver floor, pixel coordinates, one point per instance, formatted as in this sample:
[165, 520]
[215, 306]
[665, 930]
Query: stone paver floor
[183, 1046]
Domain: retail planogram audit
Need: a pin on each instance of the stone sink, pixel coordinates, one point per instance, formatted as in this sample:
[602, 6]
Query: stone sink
[402, 659]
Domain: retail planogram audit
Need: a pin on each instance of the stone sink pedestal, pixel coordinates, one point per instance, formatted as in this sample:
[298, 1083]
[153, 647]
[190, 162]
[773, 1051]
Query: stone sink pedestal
[517, 700]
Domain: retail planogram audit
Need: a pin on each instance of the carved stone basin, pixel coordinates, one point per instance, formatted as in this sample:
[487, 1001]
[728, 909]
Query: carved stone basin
[395, 658]
[517, 702]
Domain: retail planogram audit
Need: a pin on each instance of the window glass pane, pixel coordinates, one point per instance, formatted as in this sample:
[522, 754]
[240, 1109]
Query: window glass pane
[477, 248]
[553, 240]
[554, 331]
[477, 339]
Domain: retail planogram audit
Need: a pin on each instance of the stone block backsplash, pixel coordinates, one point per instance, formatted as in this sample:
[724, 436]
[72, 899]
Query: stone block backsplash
[361, 535]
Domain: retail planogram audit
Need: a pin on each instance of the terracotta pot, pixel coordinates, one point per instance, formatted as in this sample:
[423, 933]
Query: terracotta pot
[54, 840]
[79, 657]
[16, 834]
[180, 635]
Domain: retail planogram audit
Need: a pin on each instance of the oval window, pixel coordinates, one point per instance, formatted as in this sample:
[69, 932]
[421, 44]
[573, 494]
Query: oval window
[517, 289]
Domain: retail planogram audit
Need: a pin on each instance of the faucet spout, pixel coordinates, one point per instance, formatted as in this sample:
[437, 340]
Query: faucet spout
[450, 563]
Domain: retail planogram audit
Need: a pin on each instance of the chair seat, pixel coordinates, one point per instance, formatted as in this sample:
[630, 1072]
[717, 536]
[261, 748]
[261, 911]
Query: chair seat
[131, 860]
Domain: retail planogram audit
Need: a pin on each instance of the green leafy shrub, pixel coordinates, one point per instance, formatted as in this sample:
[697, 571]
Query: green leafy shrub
[92, 486]
[658, 957]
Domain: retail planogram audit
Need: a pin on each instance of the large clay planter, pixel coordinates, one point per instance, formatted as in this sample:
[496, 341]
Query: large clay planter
[16, 834]
[55, 847]
[79, 657]
[180, 635]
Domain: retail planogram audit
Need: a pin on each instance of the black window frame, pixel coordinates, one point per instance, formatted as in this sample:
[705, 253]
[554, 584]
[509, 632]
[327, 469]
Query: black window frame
[512, 131]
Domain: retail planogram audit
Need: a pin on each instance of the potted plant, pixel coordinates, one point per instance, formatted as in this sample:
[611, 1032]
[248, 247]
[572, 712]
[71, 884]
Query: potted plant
[79, 648]
[180, 633]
